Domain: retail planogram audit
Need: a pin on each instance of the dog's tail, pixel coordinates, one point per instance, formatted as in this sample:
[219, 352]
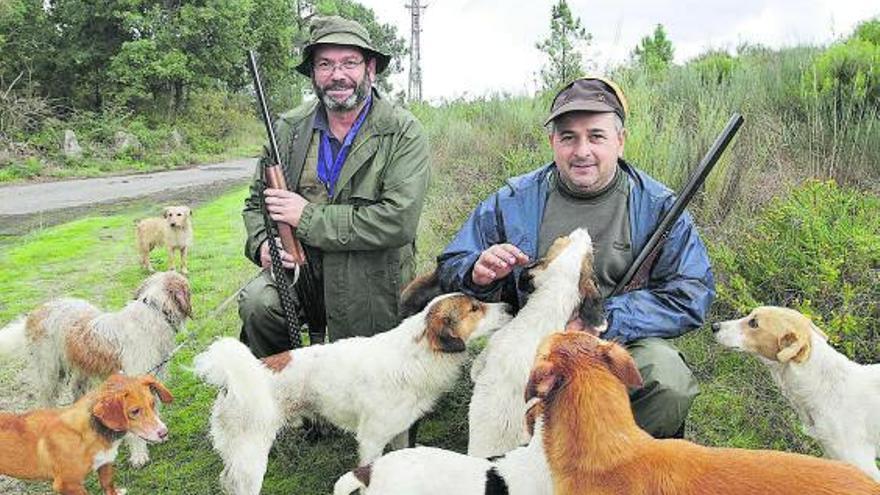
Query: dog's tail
[229, 364]
[13, 340]
[355, 479]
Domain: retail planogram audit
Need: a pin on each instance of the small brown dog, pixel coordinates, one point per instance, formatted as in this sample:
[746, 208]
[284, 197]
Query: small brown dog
[594, 446]
[64, 445]
[173, 230]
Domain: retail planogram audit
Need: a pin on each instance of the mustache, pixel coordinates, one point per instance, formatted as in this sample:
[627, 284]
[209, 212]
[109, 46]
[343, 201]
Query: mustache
[335, 86]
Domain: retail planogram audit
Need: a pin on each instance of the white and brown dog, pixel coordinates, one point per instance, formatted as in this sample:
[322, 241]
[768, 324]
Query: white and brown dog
[563, 282]
[432, 471]
[174, 231]
[72, 342]
[374, 387]
[837, 400]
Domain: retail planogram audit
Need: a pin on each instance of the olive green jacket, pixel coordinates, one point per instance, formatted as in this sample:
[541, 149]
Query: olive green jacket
[367, 231]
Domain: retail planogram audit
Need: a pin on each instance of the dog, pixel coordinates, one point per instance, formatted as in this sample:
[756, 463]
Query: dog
[431, 471]
[837, 400]
[563, 282]
[594, 446]
[374, 387]
[174, 231]
[70, 341]
[64, 445]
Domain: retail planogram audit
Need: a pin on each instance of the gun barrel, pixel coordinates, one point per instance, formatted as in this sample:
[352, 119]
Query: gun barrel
[682, 200]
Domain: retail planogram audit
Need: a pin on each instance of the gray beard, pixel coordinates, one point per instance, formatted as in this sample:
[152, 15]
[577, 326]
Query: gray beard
[361, 91]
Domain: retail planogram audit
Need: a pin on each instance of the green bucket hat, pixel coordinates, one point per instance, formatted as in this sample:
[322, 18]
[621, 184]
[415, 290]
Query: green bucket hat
[335, 30]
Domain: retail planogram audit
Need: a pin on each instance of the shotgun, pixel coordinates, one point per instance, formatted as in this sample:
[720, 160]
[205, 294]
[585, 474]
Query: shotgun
[273, 176]
[637, 275]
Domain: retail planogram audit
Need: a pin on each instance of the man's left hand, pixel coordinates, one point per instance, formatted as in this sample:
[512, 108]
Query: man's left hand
[285, 206]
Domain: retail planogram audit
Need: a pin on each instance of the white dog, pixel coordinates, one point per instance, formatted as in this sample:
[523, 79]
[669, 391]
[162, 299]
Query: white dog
[430, 471]
[374, 387]
[561, 279]
[70, 341]
[837, 400]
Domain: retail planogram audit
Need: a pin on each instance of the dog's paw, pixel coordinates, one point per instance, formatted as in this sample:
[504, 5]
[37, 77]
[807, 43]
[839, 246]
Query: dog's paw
[121, 491]
[139, 459]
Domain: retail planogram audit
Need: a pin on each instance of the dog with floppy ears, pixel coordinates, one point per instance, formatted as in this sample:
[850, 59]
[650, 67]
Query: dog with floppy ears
[594, 446]
[837, 400]
[564, 286]
[70, 341]
[65, 445]
[173, 230]
[374, 387]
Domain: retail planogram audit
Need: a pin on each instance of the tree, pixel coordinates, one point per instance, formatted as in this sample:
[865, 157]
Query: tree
[655, 52]
[564, 48]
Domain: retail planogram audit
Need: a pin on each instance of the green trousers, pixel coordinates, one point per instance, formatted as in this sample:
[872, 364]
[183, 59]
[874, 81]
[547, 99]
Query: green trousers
[263, 328]
[669, 390]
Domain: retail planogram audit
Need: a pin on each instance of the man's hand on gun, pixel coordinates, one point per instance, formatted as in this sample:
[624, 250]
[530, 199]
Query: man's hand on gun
[285, 206]
[266, 258]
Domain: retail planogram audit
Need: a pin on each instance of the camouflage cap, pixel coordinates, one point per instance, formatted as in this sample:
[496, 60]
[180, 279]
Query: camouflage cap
[589, 94]
[335, 30]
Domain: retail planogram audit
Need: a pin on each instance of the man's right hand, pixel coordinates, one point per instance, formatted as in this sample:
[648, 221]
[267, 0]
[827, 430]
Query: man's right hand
[497, 262]
[266, 258]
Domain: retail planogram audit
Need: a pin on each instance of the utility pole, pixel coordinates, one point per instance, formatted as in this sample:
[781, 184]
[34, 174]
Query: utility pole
[415, 68]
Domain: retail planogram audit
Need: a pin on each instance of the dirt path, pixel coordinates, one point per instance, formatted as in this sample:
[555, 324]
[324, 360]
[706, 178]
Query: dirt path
[28, 206]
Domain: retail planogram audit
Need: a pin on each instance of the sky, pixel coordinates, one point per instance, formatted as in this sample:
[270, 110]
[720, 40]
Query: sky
[477, 47]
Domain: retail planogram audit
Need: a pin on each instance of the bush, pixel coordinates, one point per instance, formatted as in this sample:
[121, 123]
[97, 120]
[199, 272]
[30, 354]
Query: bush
[715, 67]
[847, 75]
[817, 251]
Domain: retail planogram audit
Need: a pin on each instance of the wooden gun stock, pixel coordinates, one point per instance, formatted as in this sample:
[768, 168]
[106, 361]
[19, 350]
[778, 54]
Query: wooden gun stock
[275, 180]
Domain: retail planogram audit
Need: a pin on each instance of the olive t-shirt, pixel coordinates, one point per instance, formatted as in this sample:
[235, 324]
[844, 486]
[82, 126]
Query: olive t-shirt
[605, 215]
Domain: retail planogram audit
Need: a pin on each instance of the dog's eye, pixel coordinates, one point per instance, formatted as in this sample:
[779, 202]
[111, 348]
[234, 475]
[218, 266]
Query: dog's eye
[475, 306]
[753, 323]
[134, 412]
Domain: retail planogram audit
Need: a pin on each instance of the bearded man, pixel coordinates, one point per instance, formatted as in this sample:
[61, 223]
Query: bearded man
[357, 169]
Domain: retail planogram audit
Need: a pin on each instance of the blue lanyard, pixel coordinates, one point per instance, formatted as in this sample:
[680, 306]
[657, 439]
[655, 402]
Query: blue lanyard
[328, 168]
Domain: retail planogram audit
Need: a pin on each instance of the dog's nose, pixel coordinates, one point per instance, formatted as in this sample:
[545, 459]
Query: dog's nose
[162, 433]
[716, 327]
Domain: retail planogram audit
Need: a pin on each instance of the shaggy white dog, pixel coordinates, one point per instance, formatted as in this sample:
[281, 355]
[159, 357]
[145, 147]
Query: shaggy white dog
[837, 400]
[500, 373]
[374, 387]
[72, 342]
[430, 471]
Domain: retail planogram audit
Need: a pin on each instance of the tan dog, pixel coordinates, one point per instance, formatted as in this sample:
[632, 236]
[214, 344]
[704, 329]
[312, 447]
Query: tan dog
[173, 230]
[836, 399]
[65, 445]
[594, 446]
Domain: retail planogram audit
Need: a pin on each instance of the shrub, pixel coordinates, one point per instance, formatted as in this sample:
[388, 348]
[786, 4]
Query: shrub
[818, 251]
[847, 75]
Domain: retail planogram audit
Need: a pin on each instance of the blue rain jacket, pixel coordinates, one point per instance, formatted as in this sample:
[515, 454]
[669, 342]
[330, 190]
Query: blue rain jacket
[680, 288]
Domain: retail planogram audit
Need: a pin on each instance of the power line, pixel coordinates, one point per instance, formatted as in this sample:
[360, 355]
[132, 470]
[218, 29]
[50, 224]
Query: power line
[415, 67]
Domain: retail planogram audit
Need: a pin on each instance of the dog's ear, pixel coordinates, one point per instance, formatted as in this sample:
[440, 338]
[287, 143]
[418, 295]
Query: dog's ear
[418, 293]
[178, 288]
[157, 388]
[544, 381]
[621, 365]
[448, 338]
[110, 411]
[792, 348]
[189, 211]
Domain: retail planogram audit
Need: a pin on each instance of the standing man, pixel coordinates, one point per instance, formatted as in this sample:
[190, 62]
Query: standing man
[590, 185]
[358, 169]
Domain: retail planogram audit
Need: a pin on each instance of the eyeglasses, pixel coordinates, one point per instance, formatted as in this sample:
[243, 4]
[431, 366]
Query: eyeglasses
[327, 67]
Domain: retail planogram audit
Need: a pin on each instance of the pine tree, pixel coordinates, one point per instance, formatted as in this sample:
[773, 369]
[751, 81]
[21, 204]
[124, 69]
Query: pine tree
[654, 52]
[564, 48]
